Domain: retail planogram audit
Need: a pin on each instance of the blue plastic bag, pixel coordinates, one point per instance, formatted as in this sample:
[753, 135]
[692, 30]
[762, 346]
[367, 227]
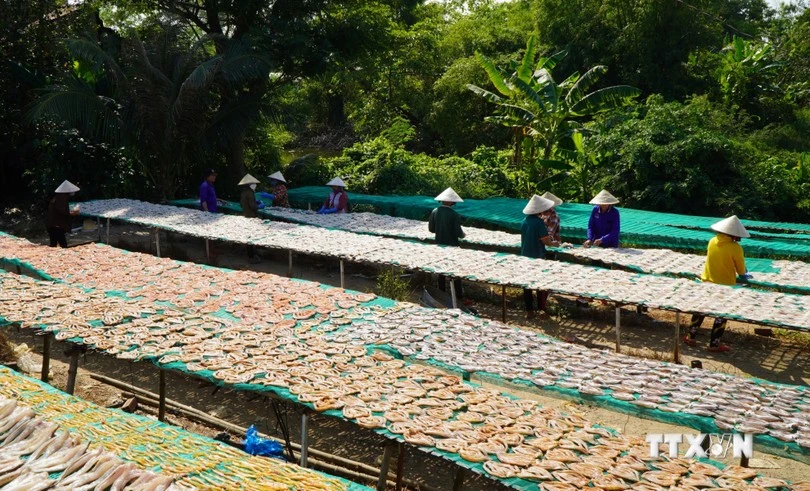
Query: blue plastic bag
[255, 445]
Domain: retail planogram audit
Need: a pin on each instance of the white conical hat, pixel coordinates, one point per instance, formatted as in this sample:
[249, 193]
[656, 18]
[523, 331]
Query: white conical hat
[537, 204]
[67, 187]
[604, 198]
[731, 226]
[336, 182]
[450, 196]
[277, 176]
[557, 201]
[248, 179]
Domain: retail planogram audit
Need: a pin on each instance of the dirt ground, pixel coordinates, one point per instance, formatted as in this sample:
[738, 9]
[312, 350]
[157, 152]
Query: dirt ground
[783, 358]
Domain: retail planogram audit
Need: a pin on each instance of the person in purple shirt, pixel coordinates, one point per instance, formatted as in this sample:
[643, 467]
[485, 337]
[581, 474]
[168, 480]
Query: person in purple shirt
[604, 225]
[208, 195]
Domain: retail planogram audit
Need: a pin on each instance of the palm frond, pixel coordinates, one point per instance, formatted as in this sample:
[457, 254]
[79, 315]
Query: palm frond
[146, 64]
[495, 75]
[531, 94]
[91, 52]
[485, 94]
[524, 71]
[580, 89]
[550, 62]
[76, 105]
[605, 100]
[232, 120]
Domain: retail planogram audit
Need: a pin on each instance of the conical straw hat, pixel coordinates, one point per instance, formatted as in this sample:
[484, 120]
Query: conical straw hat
[731, 226]
[336, 182]
[248, 179]
[557, 201]
[278, 177]
[450, 196]
[604, 198]
[537, 204]
[67, 187]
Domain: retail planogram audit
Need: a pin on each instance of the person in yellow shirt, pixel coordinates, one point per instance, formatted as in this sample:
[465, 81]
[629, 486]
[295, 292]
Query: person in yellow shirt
[724, 262]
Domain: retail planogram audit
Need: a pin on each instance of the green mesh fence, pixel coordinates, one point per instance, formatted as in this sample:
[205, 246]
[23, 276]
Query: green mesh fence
[643, 228]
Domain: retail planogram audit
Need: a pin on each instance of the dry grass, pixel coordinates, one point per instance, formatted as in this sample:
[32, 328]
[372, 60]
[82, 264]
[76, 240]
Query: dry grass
[800, 340]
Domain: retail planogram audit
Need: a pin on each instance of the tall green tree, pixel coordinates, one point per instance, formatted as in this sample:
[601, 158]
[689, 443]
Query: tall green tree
[158, 99]
[542, 112]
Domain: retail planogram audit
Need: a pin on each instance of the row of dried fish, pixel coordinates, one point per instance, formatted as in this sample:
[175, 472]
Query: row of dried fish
[460, 341]
[32, 450]
[475, 345]
[196, 462]
[248, 295]
[388, 226]
[659, 261]
[425, 406]
[511, 270]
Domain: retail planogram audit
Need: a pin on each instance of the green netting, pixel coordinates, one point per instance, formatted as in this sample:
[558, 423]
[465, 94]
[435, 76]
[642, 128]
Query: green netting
[644, 228]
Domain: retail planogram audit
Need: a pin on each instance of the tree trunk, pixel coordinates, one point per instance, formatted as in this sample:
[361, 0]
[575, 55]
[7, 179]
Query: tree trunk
[236, 157]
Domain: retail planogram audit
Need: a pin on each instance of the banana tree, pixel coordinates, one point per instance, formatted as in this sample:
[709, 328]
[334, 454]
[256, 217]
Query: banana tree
[542, 110]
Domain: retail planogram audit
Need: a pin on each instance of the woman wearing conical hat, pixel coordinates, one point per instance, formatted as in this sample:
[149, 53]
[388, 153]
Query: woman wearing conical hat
[724, 262]
[60, 215]
[604, 225]
[445, 222]
[534, 238]
[550, 216]
[279, 186]
[250, 208]
[338, 200]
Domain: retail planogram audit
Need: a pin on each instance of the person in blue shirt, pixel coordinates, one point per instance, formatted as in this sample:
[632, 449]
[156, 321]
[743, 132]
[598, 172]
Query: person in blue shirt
[208, 195]
[604, 225]
[534, 238]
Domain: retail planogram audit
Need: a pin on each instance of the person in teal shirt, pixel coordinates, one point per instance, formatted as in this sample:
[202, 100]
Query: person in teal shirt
[445, 223]
[534, 238]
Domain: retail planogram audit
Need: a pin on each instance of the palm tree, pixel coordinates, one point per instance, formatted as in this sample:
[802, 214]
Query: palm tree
[542, 110]
[160, 100]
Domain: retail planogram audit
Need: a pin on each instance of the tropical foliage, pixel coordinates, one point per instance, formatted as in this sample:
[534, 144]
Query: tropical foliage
[545, 112]
[696, 107]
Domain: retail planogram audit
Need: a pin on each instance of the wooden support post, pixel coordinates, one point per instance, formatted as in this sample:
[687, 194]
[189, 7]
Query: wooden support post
[458, 481]
[618, 328]
[289, 263]
[382, 481]
[108, 231]
[98, 227]
[743, 460]
[157, 241]
[400, 466]
[676, 350]
[19, 269]
[342, 275]
[453, 292]
[207, 251]
[46, 356]
[73, 370]
[503, 303]
[304, 439]
[162, 396]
